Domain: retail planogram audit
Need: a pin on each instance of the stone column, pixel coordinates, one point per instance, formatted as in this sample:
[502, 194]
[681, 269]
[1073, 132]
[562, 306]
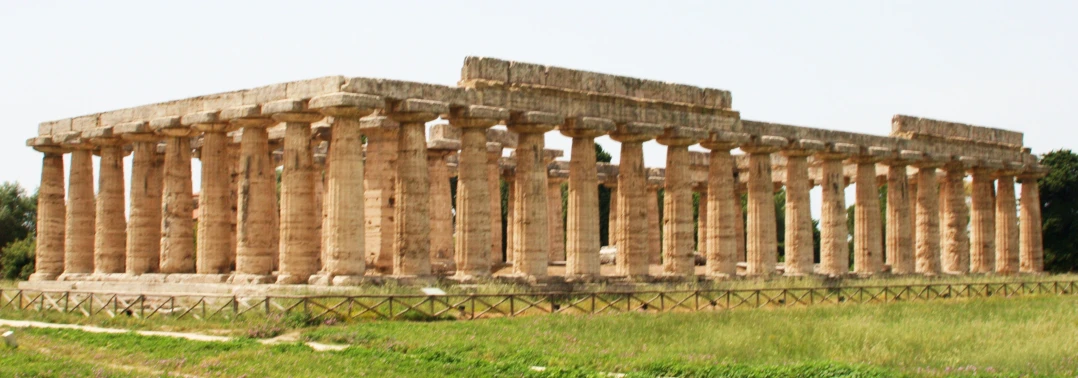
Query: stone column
[214, 207]
[739, 219]
[49, 256]
[557, 228]
[701, 220]
[720, 243]
[79, 230]
[834, 249]
[631, 226]
[761, 243]
[868, 240]
[655, 247]
[494, 176]
[955, 253]
[256, 198]
[799, 261]
[1006, 223]
[477, 185]
[233, 149]
[343, 255]
[144, 213]
[379, 190]
[299, 245]
[411, 237]
[1031, 243]
[612, 215]
[928, 221]
[510, 246]
[900, 238]
[530, 242]
[677, 201]
[177, 227]
[110, 241]
[441, 206]
[982, 251]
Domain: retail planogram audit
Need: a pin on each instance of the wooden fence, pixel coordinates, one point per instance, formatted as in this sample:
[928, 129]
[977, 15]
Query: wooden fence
[480, 306]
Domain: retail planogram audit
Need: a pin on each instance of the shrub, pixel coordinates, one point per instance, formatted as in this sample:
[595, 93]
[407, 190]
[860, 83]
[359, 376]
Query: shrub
[17, 259]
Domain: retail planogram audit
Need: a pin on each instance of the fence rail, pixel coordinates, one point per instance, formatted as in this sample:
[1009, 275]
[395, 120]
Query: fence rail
[480, 306]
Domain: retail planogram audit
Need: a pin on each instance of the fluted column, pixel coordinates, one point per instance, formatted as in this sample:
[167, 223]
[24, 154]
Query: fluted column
[1006, 224]
[630, 225]
[677, 201]
[928, 221]
[900, 238]
[1031, 242]
[530, 242]
[612, 215]
[834, 249]
[49, 255]
[494, 175]
[798, 236]
[475, 209]
[654, 228]
[701, 220]
[214, 209]
[299, 246]
[761, 242]
[955, 250]
[177, 227]
[739, 219]
[256, 198]
[982, 250]
[510, 224]
[110, 241]
[79, 226]
[342, 250]
[379, 190]
[868, 227]
[441, 209]
[411, 237]
[144, 213]
[720, 243]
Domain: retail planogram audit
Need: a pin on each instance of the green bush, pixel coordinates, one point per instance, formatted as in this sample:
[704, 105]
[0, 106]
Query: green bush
[17, 259]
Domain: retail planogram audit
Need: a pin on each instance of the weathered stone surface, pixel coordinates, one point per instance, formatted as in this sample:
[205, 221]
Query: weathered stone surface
[441, 211]
[900, 237]
[256, 208]
[928, 221]
[299, 243]
[1031, 242]
[177, 228]
[834, 250]
[1006, 226]
[79, 232]
[379, 190]
[494, 174]
[677, 217]
[531, 243]
[923, 128]
[51, 211]
[411, 237]
[868, 240]
[982, 253]
[798, 238]
[214, 206]
[110, 241]
[954, 254]
[631, 226]
[144, 216]
[721, 241]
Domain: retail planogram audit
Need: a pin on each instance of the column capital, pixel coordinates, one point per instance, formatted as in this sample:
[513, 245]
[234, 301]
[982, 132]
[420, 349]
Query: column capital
[764, 144]
[931, 160]
[290, 110]
[586, 127]
[533, 122]
[415, 110]
[444, 145]
[206, 122]
[1009, 169]
[904, 158]
[635, 132]
[838, 151]
[986, 167]
[103, 137]
[477, 116]
[346, 105]
[1033, 171]
[960, 163]
[171, 127]
[803, 147]
[45, 144]
[871, 154]
[681, 136]
[724, 140]
[73, 140]
[245, 116]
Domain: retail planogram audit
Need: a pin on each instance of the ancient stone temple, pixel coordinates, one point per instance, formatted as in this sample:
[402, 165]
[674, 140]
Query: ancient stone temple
[365, 167]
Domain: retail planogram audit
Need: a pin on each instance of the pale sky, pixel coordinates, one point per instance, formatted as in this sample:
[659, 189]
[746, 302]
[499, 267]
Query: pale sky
[847, 65]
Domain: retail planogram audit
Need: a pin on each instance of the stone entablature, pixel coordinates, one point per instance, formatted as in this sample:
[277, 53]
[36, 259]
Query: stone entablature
[313, 130]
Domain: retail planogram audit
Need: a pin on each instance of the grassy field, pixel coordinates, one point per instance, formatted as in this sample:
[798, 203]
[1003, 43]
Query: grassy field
[997, 336]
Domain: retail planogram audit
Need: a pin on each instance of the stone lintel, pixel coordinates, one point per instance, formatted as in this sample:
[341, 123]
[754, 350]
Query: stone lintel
[1010, 168]
[725, 140]
[245, 116]
[803, 147]
[376, 123]
[100, 133]
[73, 139]
[207, 117]
[681, 136]
[534, 122]
[449, 145]
[429, 108]
[1033, 171]
[343, 104]
[586, 127]
[872, 154]
[838, 151]
[132, 128]
[986, 166]
[923, 128]
[290, 110]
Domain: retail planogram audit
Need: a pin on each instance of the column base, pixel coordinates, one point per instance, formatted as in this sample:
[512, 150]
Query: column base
[251, 279]
[43, 277]
[292, 279]
[73, 277]
[325, 279]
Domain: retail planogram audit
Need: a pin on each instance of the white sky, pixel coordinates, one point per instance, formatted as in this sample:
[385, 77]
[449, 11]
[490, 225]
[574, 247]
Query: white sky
[829, 64]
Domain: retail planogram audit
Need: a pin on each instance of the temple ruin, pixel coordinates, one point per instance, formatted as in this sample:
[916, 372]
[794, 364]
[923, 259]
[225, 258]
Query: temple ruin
[365, 191]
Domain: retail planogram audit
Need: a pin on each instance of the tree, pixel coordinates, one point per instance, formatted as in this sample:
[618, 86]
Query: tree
[18, 213]
[17, 259]
[1059, 211]
[601, 156]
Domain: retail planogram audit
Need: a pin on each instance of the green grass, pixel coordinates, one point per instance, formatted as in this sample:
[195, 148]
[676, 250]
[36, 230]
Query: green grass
[1035, 335]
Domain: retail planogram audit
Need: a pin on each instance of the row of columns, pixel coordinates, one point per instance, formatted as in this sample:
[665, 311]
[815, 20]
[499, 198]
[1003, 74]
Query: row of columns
[334, 243]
